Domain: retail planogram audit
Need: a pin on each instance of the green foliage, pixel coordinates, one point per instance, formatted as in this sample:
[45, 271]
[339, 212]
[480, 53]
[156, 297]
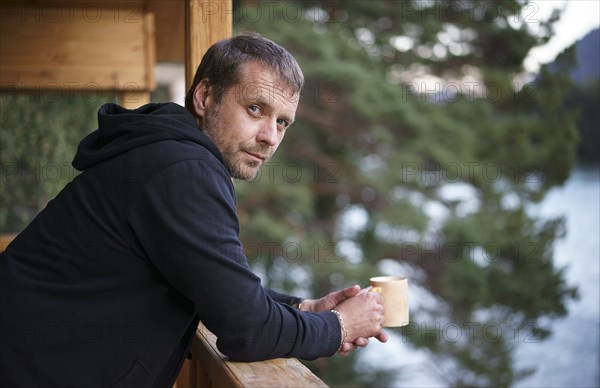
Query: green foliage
[390, 148]
[585, 99]
[39, 132]
[365, 173]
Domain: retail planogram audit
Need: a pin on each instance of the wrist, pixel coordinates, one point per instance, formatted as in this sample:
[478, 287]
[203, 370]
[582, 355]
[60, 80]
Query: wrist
[305, 305]
[343, 332]
[300, 305]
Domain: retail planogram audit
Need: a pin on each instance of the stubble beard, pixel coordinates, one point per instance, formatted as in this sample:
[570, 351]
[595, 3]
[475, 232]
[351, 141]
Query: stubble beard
[237, 165]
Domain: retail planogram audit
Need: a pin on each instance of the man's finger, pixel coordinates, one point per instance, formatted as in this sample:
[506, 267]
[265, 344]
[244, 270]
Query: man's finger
[362, 342]
[351, 291]
[338, 297]
[346, 349]
[382, 336]
[366, 289]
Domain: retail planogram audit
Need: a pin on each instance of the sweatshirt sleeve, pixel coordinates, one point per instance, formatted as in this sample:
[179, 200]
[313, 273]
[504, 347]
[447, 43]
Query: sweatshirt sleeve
[283, 298]
[184, 221]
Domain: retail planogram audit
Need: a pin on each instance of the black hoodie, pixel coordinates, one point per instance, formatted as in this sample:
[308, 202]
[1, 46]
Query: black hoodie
[106, 285]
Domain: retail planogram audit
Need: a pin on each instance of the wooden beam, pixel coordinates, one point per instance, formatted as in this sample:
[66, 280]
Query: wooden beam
[210, 368]
[5, 239]
[131, 99]
[206, 22]
[66, 45]
[169, 19]
[150, 50]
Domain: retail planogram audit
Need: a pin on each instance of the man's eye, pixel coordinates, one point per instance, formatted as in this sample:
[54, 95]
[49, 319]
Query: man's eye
[282, 123]
[254, 108]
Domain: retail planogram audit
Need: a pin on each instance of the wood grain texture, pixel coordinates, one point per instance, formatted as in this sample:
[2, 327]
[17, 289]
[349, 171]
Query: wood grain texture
[74, 45]
[169, 18]
[210, 368]
[5, 239]
[133, 99]
[206, 22]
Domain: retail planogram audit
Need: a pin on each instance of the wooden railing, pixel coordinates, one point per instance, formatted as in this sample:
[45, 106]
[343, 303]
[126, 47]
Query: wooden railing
[210, 368]
[5, 239]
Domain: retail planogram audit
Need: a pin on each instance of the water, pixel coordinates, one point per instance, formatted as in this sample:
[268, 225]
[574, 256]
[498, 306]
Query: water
[570, 357]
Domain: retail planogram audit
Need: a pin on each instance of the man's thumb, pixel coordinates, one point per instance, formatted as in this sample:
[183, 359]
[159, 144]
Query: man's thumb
[351, 291]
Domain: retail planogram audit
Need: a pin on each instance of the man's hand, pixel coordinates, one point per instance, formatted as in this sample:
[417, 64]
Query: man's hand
[330, 300]
[363, 316]
[349, 347]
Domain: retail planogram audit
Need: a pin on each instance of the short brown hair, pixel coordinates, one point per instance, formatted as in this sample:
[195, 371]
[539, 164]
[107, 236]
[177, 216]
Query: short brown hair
[221, 62]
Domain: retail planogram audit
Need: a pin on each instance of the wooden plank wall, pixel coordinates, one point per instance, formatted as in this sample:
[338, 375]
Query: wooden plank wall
[78, 46]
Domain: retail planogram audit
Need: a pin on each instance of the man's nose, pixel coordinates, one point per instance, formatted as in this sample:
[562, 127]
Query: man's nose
[268, 133]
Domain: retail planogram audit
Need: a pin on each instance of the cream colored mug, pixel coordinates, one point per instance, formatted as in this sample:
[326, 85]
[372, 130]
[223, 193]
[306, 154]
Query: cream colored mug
[395, 299]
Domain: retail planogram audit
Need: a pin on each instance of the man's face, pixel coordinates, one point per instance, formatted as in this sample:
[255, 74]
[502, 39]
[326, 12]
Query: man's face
[248, 124]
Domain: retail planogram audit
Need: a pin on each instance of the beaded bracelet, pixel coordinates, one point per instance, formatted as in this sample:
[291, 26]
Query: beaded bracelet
[344, 333]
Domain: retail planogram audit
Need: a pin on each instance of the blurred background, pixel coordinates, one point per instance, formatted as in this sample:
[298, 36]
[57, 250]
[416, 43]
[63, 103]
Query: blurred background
[452, 142]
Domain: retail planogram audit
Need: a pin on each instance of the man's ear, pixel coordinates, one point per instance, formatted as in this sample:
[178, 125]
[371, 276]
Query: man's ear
[202, 93]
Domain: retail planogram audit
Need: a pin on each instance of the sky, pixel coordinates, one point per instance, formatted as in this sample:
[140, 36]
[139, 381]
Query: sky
[579, 18]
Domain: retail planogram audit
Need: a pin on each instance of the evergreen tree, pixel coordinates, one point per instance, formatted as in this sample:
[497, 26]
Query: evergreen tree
[416, 147]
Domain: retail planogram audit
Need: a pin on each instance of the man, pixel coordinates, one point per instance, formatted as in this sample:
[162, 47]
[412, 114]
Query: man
[106, 286]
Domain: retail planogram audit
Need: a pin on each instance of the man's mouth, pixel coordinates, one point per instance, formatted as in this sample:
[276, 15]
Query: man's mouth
[257, 156]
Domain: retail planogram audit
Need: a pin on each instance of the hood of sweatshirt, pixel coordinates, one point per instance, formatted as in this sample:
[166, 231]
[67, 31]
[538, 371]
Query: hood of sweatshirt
[120, 130]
